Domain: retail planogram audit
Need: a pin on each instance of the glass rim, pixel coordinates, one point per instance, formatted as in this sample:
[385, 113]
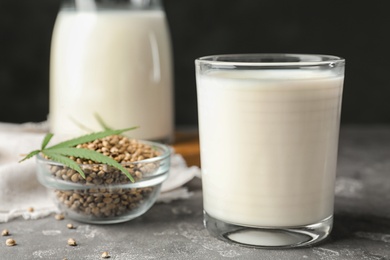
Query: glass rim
[238, 60]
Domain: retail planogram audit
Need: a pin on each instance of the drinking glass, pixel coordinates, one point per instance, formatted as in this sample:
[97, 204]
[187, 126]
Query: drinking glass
[269, 127]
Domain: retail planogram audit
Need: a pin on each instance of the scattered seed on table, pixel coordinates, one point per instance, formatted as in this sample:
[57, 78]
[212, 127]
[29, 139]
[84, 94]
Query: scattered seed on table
[72, 242]
[70, 226]
[5, 232]
[10, 242]
[105, 255]
[59, 216]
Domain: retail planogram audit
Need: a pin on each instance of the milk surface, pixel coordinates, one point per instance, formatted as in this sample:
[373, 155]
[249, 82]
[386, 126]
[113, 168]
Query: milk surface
[269, 145]
[116, 64]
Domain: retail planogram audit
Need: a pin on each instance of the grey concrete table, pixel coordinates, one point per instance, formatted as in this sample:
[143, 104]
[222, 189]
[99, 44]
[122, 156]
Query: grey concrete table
[175, 230]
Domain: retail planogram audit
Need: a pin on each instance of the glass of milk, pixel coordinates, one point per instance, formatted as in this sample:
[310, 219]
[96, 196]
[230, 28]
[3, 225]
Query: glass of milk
[269, 127]
[111, 60]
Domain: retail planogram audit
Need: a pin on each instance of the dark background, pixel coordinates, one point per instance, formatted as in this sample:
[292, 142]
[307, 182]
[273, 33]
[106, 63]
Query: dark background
[356, 30]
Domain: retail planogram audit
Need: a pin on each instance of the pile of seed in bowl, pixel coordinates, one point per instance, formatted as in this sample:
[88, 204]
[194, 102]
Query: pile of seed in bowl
[100, 198]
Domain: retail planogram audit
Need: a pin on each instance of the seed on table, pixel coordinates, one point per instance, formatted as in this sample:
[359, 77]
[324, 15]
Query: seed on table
[59, 216]
[30, 209]
[5, 232]
[72, 242]
[10, 242]
[70, 226]
[105, 255]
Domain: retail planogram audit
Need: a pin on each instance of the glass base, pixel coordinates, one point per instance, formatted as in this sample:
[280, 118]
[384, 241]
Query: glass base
[269, 237]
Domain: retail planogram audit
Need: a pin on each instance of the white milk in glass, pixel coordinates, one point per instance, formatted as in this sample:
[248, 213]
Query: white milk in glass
[113, 63]
[269, 145]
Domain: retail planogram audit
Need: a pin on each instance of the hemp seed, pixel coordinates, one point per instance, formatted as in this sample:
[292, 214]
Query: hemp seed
[5, 232]
[75, 177]
[105, 255]
[30, 209]
[97, 201]
[59, 216]
[10, 242]
[70, 226]
[72, 242]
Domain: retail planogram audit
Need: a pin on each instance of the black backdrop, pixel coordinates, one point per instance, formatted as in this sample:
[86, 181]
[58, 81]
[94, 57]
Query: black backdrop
[355, 30]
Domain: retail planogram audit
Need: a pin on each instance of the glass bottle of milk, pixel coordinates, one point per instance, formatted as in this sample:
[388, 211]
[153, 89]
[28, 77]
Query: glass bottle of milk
[111, 59]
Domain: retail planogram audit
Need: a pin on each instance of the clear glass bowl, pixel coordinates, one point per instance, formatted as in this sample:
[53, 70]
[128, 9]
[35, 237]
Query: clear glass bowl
[106, 195]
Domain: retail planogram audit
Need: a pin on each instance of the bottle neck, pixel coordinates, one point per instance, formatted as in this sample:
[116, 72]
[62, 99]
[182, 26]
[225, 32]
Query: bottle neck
[95, 5]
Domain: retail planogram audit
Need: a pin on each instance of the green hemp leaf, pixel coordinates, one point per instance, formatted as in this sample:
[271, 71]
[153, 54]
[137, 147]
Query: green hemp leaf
[62, 151]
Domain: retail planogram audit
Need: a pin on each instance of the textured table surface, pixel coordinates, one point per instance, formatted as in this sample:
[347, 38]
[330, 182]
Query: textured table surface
[175, 230]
